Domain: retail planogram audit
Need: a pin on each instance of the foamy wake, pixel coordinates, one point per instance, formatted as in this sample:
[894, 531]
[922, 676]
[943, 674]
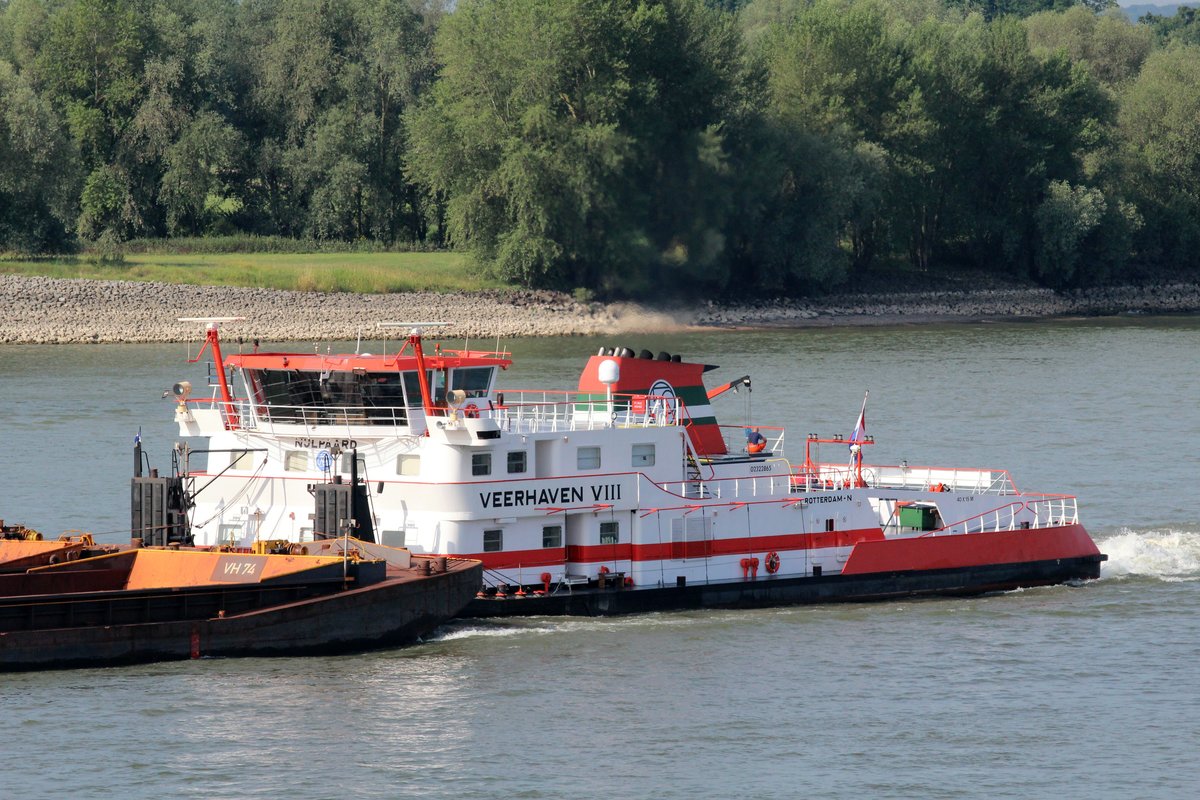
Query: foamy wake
[454, 630]
[1169, 555]
[540, 626]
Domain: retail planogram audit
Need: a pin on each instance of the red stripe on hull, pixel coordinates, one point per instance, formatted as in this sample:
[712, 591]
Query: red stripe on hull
[970, 550]
[598, 553]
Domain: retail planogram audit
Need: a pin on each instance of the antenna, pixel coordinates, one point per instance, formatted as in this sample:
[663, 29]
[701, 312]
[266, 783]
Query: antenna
[415, 328]
[210, 322]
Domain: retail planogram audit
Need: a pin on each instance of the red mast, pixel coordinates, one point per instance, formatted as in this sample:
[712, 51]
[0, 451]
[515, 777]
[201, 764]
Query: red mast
[213, 340]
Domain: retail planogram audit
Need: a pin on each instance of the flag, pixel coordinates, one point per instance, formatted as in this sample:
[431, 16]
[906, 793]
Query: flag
[859, 435]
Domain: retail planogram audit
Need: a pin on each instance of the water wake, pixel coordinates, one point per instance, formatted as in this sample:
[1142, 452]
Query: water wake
[1169, 555]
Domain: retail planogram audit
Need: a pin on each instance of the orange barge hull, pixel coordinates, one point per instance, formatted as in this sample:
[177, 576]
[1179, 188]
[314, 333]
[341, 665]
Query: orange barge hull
[315, 611]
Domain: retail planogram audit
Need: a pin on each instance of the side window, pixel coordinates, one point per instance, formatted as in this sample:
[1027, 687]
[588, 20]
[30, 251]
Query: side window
[552, 536]
[493, 541]
[588, 458]
[229, 534]
[643, 455]
[408, 465]
[296, 461]
[516, 461]
[362, 464]
[240, 459]
[610, 532]
[481, 463]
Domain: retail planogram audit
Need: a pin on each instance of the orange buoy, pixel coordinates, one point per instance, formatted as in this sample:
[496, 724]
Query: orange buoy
[772, 562]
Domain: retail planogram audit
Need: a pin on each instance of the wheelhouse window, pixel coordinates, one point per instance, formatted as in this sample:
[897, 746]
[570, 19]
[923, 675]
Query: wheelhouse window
[296, 461]
[493, 540]
[516, 461]
[610, 532]
[481, 463]
[643, 455]
[287, 394]
[475, 381]
[588, 458]
[412, 387]
[552, 536]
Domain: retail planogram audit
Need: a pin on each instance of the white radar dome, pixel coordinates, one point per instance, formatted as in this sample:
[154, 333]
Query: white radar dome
[609, 372]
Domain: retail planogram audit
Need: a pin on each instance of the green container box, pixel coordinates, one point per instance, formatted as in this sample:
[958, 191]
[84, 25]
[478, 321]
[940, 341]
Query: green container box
[923, 518]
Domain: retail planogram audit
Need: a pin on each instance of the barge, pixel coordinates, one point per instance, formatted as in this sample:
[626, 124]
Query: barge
[153, 604]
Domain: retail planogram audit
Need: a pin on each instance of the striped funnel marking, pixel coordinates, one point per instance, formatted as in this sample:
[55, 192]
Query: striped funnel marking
[662, 378]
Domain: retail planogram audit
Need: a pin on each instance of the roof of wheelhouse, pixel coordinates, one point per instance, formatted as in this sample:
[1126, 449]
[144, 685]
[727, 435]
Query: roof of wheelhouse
[316, 362]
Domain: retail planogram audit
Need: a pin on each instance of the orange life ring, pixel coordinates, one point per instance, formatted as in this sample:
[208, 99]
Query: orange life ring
[772, 562]
[471, 411]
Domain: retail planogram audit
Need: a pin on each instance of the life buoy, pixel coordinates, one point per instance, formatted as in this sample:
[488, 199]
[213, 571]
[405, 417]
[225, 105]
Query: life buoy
[772, 562]
[471, 411]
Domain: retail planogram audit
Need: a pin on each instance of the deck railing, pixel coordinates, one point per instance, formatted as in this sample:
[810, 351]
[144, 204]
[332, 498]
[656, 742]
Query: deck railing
[521, 412]
[1047, 512]
[839, 477]
[736, 440]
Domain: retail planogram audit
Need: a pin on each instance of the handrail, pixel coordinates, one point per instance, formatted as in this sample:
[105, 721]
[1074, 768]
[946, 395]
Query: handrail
[1059, 510]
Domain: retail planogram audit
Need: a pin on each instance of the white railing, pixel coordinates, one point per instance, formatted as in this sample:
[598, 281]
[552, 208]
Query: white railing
[533, 412]
[1051, 511]
[975, 481]
[273, 418]
[540, 412]
[734, 437]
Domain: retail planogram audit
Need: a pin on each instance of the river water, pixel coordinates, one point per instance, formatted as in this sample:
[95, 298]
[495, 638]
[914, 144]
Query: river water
[1085, 691]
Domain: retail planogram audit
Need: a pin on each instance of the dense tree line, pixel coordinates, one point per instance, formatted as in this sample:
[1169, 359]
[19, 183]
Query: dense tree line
[616, 145]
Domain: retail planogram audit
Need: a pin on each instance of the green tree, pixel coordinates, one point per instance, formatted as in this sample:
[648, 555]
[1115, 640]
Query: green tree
[836, 72]
[91, 64]
[39, 170]
[993, 126]
[1160, 133]
[24, 26]
[1184, 27]
[331, 83]
[1110, 45]
[1083, 236]
[196, 180]
[994, 9]
[580, 142]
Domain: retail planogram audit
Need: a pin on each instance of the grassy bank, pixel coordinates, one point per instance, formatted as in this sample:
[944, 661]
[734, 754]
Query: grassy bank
[364, 273]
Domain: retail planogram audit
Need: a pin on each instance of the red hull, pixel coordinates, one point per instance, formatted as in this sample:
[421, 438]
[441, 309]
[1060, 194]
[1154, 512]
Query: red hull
[970, 550]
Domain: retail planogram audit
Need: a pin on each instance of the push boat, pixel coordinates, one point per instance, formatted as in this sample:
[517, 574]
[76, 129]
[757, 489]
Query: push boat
[71, 603]
[624, 494]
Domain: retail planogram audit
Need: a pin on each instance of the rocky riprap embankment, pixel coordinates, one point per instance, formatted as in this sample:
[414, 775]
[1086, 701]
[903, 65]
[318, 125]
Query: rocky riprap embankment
[51, 310]
[962, 305]
[62, 311]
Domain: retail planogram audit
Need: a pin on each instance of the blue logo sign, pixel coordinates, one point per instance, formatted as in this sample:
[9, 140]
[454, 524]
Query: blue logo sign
[324, 461]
